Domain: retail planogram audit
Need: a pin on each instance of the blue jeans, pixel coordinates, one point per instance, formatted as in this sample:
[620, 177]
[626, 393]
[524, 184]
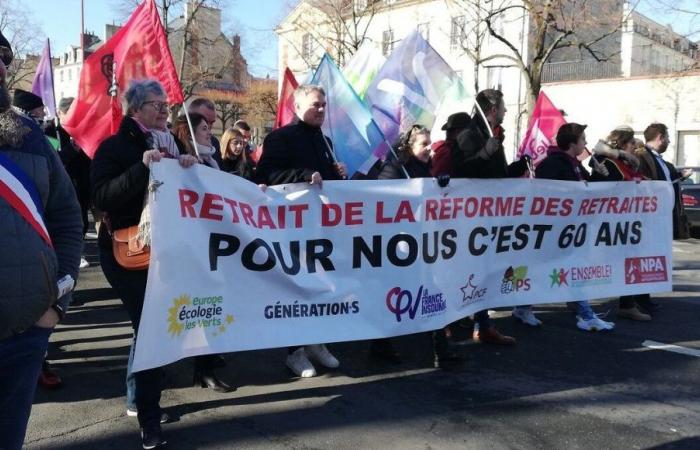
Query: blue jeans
[131, 380]
[583, 309]
[20, 363]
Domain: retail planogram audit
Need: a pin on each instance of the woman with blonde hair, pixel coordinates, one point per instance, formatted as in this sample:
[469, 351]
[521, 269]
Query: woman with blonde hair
[614, 157]
[233, 155]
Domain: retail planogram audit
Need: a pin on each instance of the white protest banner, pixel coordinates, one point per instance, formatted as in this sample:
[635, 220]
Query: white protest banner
[233, 268]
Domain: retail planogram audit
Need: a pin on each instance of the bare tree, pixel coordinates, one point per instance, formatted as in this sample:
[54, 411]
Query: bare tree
[587, 27]
[341, 28]
[469, 31]
[25, 37]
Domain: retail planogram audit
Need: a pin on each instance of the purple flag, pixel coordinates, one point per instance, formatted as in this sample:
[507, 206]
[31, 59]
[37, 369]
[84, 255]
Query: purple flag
[43, 81]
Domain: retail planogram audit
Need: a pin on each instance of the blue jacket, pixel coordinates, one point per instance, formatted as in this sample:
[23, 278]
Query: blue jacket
[29, 268]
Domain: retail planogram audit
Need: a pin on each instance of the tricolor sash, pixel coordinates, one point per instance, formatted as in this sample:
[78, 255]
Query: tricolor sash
[19, 191]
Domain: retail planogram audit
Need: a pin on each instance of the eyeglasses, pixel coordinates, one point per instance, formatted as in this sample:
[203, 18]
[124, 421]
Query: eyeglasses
[158, 106]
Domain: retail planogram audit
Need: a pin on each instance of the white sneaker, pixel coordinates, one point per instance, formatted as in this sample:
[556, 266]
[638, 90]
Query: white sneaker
[321, 355]
[526, 316]
[84, 263]
[299, 363]
[594, 324]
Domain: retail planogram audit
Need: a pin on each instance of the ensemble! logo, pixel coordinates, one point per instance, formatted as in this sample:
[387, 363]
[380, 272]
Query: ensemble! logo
[649, 269]
[579, 276]
[472, 293]
[559, 278]
[200, 312]
[400, 301]
[515, 280]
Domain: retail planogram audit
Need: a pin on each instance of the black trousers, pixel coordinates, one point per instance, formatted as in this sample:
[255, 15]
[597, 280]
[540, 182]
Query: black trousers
[131, 288]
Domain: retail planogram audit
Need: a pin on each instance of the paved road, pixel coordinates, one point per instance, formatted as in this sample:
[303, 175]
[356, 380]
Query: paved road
[559, 388]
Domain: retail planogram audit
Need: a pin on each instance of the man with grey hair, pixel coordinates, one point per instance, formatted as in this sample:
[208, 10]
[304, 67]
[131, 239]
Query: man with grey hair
[297, 153]
[41, 239]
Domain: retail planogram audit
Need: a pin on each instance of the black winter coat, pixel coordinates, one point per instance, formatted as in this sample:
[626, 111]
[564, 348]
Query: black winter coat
[466, 163]
[244, 169]
[119, 178]
[291, 154]
[392, 169]
[559, 166]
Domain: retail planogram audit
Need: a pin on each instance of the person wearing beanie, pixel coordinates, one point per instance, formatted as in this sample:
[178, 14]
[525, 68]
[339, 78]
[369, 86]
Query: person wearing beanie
[29, 104]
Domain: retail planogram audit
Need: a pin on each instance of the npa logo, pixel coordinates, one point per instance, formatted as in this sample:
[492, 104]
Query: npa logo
[649, 269]
[471, 292]
[401, 301]
[515, 280]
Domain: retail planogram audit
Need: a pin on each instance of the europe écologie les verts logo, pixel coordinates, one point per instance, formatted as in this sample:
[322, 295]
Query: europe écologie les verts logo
[205, 312]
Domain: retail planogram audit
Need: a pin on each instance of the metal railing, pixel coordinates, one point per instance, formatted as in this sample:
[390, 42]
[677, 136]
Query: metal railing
[580, 70]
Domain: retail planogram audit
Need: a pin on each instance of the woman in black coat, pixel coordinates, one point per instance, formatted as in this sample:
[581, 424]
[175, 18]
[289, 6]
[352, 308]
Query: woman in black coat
[119, 178]
[234, 159]
[413, 160]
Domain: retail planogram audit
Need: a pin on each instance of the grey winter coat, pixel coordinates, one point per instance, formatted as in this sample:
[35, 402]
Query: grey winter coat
[29, 268]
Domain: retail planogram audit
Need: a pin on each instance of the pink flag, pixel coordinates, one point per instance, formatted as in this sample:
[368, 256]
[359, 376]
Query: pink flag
[541, 130]
[285, 108]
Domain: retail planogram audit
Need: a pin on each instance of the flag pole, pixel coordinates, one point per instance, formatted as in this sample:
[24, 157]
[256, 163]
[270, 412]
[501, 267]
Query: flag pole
[189, 125]
[56, 123]
[483, 116]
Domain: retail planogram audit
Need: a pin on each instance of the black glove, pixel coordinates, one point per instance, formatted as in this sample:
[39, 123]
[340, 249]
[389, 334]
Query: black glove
[443, 180]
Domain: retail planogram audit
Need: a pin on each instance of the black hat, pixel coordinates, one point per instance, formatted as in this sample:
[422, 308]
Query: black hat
[26, 101]
[5, 51]
[457, 120]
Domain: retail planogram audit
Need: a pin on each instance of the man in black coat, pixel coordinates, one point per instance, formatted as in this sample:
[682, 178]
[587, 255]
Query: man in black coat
[479, 155]
[296, 153]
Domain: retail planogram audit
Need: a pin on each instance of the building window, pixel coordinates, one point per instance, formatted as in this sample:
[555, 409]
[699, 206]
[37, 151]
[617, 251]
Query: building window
[424, 30]
[360, 5]
[307, 46]
[70, 74]
[387, 42]
[60, 74]
[457, 32]
[389, 2]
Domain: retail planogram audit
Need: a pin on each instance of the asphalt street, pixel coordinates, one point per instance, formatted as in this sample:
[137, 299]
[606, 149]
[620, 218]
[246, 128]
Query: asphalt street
[558, 388]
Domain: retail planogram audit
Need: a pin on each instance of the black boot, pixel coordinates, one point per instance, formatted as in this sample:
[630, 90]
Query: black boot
[444, 358]
[205, 376]
[383, 349]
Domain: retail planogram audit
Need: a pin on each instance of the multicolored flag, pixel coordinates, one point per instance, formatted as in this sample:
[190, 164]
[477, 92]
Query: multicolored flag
[285, 107]
[138, 50]
[408, 88]
[43, 81]
[541, 129]
[364, 65]
[357, 140]
[456, 99]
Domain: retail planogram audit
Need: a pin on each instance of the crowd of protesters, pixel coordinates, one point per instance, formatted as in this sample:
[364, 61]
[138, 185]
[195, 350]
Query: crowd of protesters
[114, 185]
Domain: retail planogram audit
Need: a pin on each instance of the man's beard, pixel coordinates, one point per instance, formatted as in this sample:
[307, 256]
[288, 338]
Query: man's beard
[11, 129]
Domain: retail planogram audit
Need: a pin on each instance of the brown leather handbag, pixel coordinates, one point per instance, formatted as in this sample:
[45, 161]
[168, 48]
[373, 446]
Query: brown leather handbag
[129, 251]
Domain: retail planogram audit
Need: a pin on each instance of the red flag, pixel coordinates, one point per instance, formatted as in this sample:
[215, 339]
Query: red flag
[285, 107]
[541, 130]
[255, 154]
[139, 50]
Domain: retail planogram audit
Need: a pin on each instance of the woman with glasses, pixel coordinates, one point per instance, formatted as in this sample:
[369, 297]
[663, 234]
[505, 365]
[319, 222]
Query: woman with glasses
[120, 176]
